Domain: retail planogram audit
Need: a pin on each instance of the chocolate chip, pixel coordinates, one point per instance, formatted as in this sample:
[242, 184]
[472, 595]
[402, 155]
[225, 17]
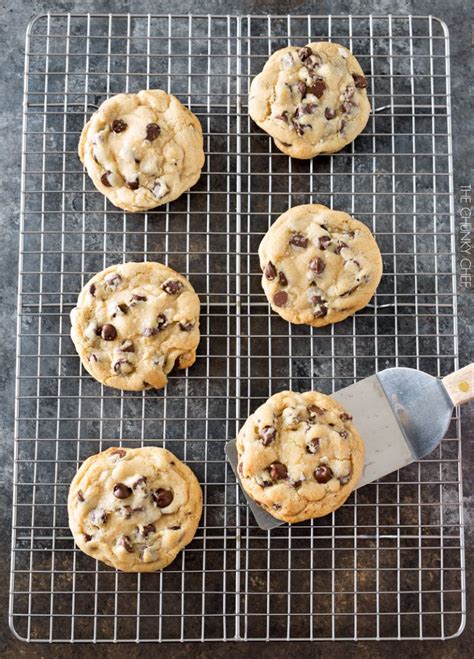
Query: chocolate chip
[152, 132]
[298, 240]
[126, 511]
[122, 491]
[92, 290]
[150, 331]
[304, 53]
[120, 452]
[283, 116]
[113, 279]
[300, 129]
[278, 471]
[347, 107]
[139, 481]
[174, 528]
[341, 244]
[104, 179]
[127, 346]
[270, 271]
[296, 484]
[108, 332]
[161, 321]
[313, 445]
[267, 434]
[324, 242]
[280, 298]
[172, 286]
[186, 327]
[93, 358]
[126, 544]
[118, 125]
[344, 434]
[321, 312]
[123, 308]
[149, 528]
[80, 496]
[316, 299]
[276, 506]
[123, 367]
[317, 88]
[133, 185]
[137, 298]
[345, 416]
[317, 265]
[360, 81]
[322, 474]
[162, 497]
[315, 410]
[99, 516]
[349, 93]
[305, 108]
[301, 86]
[282, 278]
[87, 537]
[329, 114]
[342, 126]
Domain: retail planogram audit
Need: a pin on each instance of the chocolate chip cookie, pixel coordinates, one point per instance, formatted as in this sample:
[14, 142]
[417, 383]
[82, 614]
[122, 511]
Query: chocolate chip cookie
[142, 150]
[133, 323]
[310, 100]
[134, 509]
[300, 455]
[319, 266]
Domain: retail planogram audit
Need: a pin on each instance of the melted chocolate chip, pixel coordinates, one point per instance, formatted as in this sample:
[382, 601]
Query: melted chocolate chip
[344, 434]
[92, 289]
[278, 471]
[93, 358]
[267, 434]
[126, 511]
[329, 114]
[108, 332]
[280, 298]
[149, 528]
[137, 298]
[172, 286]
[296, 484]
[161, 321]
[322, 474]
[118, 125]
[104, 179]
[283, 116]
[127, 346]
[126, 544]
[139, 481]
[300, 129]
[301, 86]
[123, 308]
[150, 331]
[113, 280]
[341, 244]
[321, 312]
[122, 491]
[315, 410]
[317, 265]
[80, 496]
[298, 240]
[324, 242]
[174, 528]
[133, 185]
[186, 327]
[313, 445]
[305, 108]
[347, 107]
[304, 53]
[152, 132]
[282, 278]
[317, 88]
[162, 497]
[360, 81]
[270, 271]
[87, 537]
[123, 367]
[345, 416]
[276, 506]
[120, 452]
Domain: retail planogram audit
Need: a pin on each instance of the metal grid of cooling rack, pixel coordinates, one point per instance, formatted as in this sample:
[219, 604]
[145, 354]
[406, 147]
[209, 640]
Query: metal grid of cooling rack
[389, 563]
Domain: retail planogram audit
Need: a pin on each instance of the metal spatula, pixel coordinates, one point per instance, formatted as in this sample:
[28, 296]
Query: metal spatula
[402, 415]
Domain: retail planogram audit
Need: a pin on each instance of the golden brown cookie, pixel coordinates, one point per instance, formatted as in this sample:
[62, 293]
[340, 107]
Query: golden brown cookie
[319, 266]
[142, 150]
[311, 100]
[134, 509]
[300, 456]
[133, 323]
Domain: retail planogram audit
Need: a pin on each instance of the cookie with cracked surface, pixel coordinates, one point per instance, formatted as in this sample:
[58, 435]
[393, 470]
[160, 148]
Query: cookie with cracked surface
[311, 100]
[134, 509]
[300, 455]
[133, 323]
[142, 150]
[319, 265]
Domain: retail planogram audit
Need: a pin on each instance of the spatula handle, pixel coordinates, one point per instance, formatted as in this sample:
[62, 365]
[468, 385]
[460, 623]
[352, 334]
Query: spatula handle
[460, 385]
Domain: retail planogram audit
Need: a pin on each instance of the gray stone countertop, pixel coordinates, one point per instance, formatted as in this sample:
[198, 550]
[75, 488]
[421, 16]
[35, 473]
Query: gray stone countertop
[14, 17]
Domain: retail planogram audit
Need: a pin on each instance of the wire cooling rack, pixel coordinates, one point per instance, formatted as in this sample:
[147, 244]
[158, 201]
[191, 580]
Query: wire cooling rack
[387, 565]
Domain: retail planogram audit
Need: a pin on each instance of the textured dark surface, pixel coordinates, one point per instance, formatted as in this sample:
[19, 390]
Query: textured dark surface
[15, 17]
